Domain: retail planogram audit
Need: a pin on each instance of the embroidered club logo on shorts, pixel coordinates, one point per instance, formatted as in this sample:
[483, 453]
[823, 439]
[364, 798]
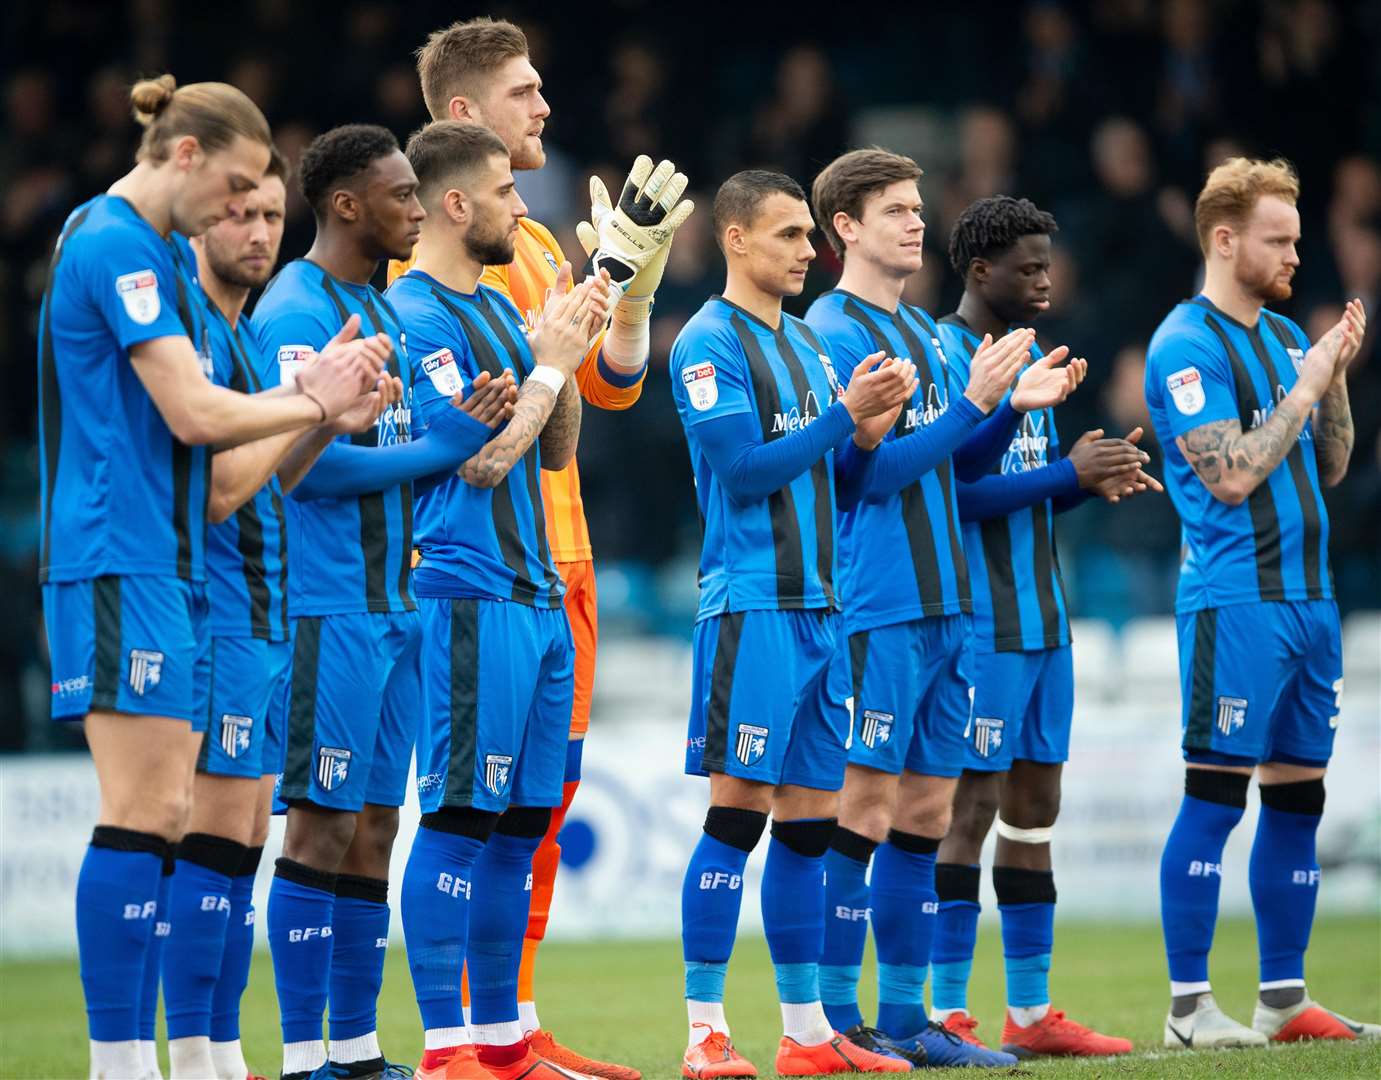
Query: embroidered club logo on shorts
[444, 373]
[1232, 713]
[751, 743]
[235, 733]
[145, 669]
[701, 388]
[139, 293]
[1187, 390]
[497, 770]
[291, 360]
[987, 735]
[332, 767]
[876, 729]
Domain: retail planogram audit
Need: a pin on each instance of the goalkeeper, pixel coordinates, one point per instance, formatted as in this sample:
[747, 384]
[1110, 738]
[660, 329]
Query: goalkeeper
[479, 71]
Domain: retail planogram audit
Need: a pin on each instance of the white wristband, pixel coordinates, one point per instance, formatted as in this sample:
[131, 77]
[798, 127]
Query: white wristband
[548, 376]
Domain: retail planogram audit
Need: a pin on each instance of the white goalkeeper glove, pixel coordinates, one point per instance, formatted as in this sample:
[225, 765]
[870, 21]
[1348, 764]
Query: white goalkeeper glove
[631, 240]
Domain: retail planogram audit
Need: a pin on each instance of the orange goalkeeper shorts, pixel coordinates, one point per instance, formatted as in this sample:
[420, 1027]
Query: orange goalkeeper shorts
[582, 610]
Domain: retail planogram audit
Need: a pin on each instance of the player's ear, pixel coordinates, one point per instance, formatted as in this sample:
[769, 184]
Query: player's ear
[734, 241]
[979, 269]
[186, 153]
[844, 226]
[456, 206]
[345, 205]
[461, 108]
[1222, 240]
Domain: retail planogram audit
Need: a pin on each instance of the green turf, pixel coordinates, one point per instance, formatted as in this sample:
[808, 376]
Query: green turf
[623, 1001]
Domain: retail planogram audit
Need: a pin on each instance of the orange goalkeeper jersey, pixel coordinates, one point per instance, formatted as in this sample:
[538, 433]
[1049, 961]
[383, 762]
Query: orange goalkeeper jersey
[536, 258]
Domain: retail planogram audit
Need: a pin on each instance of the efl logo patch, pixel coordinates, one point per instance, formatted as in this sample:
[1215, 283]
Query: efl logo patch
[1232, 714]
[987, 735]
[332, 767]
[701, 387]
[751, 743]
[876, 729]
[235, 733]
[1187, 390]
[145, 669]
[444, 373]
[139, 293]
[291, 360]
[498, 768]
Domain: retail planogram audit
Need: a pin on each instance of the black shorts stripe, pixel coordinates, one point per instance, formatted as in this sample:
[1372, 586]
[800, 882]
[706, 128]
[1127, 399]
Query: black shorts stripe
[204, 753]
[504, 330]
[464, 708]
[944, 472]
[1198, 731]
[820, 480]
[301, 736]
[50, 397]
[1260, 503]
[1043, 556]
[1310, 501]
[787, 544]
[105, 601]
[504, 518]
[858, 665]
[182, 454]
[1002, 585]
[920, 537]
[729, 633]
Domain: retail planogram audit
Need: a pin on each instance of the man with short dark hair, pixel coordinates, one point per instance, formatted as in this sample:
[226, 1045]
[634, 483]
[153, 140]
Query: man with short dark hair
[907, 636]
[354, 694]
[764, 415]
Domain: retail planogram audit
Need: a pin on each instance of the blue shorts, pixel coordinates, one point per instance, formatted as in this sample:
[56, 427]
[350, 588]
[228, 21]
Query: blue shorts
[138, 643]
[353, 705]
[247, 674]
[498, 682]
[1261, 682]
[1023, 708]
[911, 695]
[769, 694]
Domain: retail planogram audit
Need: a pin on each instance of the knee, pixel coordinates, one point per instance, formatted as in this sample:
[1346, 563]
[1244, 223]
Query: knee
[1032, 809]
[318, 838]
[932, 817]
[163, 813]
[975, 807]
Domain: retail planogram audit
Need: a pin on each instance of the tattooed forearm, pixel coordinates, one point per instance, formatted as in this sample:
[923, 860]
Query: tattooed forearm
[562, 431]
[488, 468]
[1333, 433]
[1232, 462]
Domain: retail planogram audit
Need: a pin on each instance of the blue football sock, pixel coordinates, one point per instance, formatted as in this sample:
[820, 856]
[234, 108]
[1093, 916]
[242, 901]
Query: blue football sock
[301, 903]
[793, 905]
[153, 957]
[498, 917]
[117, 897]
[1284, 875]
[199, 911]
[904, 910]
[846, 925]
[1026, 903]
[956, 934]
[1191, 870]
[437, 886]
[238, 954]
[359, 943]
[711, 895]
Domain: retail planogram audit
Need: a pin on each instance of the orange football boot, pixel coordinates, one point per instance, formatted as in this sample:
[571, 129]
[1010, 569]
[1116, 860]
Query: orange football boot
[714, 1056]
[839, 1055]
[1055, 1035]
[547, 1048]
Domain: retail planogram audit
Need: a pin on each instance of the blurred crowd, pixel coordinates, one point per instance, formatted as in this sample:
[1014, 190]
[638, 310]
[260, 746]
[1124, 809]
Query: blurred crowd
[1107, 113]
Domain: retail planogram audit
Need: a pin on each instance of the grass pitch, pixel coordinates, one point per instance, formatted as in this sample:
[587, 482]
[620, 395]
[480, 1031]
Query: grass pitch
[622, 1001]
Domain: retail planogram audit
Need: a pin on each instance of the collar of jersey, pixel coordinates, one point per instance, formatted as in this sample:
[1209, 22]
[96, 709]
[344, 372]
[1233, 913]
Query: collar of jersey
[351, 285]
[422, 275]
[1208, 305]
[781, 329]
[866, 303]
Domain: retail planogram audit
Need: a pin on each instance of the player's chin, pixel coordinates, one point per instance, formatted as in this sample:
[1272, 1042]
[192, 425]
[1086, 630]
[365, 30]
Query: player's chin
[532, 155]
[794, 283]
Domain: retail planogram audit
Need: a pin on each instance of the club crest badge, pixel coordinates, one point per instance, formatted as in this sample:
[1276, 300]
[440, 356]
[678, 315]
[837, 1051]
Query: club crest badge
[145, 670]
[1187, 390]
[498, 770]
[235, 734]
[876, 728]
[987, 735]
[139, 293]
[444, 372]
[828, 365]
[1296, 358]
[1232, 713]
[750, 744]
[701, 388]
[332, 767]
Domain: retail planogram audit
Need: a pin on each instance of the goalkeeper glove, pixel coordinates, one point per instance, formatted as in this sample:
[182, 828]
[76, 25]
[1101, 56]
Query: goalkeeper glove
[631, 240]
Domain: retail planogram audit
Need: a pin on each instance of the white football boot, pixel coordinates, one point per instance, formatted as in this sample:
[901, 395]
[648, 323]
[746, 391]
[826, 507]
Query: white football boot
[1208, 1027]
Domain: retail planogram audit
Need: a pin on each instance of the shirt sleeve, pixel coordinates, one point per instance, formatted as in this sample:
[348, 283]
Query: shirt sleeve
[1190, 383]
[132, 278]
[287, 340]
[443, 363]
[709, 377]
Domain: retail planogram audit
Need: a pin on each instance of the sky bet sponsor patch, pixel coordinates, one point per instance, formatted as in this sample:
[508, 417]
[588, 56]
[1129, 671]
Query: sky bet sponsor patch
[139, 293]
[701, 388]
[444, 373]
[1186, 390]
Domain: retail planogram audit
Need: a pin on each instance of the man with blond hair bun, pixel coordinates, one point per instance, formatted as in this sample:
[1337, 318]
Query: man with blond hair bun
[479, 71]
[1255, 423]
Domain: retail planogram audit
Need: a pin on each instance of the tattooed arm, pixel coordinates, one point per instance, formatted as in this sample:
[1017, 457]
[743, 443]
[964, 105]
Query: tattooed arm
[562, 431]
[1333, 433]
[488, 468]
[1231, 462]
